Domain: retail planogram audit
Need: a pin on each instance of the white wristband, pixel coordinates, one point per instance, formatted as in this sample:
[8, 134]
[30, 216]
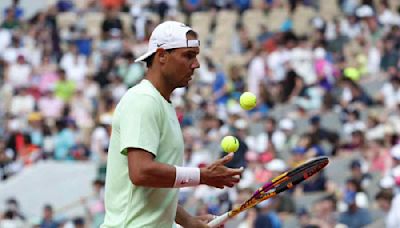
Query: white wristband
[186, 177]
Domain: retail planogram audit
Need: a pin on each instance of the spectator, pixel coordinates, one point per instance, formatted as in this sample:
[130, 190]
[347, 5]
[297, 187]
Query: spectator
[354, 216]
[353, 123]
[112, 4]
[321, 134]
[47, 74]
[11, 20]
[18, 140]
[84, 43]
[64, 88]
[292, 87]
[19, 73]
[390, 56]
[111, 23]
[326, 211]
[95, 205]
[390, 93]
[220, 87]
[22, 103]
[389, 202]
[354, 185]
[267, 216]
[256, 72]
[64, 140]
[18, 11]
[74, 65]
[355, 144]
[130, 71]
[354, 95]
[12, 205]
[359, 175]
[48, 99]
[11, 220]
[47, 218]
[190, 6]
[270, 137]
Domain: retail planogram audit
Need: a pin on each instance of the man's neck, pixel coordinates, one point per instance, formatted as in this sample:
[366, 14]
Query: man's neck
[160, 85]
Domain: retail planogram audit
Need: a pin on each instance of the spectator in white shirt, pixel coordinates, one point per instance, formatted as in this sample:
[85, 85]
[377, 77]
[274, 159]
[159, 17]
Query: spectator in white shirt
[387, 17]
[74, 64]
[10, 220]
[19, 73]
[350, 27]
[11, 52]
[260, 142]
[256, 72]
[22, 103]
[276, 64]
[390, 93]
[354, 123]
[99, 141]
[5, 39]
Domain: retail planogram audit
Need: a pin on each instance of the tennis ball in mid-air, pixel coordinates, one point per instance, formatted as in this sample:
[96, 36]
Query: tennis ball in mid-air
[248, 100]
[230, 144]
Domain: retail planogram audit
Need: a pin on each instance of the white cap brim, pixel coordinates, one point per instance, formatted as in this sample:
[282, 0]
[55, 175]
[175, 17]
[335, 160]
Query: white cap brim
[143, 57]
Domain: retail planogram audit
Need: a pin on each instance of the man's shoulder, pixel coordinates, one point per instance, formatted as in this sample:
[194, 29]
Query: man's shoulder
[144, 87]
[140, 95]
[141, 90]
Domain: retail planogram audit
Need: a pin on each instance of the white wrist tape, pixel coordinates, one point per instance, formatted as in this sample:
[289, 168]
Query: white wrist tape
[186, 177]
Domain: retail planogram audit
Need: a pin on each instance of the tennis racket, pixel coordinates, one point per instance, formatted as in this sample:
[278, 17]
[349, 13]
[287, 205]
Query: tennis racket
[279, 184]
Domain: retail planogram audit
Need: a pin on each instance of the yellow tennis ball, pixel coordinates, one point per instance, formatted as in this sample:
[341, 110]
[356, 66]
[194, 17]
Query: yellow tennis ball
[248, 100]
[230, 144]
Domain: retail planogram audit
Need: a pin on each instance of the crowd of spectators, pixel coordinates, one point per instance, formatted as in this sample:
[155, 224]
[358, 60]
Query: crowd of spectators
[59, 85]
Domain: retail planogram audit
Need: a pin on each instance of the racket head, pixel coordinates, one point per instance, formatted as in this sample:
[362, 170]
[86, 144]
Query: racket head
[311, 164]
[303, 172]
[314, 162]
[279, 184]
[285, 181]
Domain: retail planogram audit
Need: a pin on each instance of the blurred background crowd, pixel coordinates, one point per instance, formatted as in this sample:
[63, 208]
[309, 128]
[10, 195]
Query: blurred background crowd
[326, 75]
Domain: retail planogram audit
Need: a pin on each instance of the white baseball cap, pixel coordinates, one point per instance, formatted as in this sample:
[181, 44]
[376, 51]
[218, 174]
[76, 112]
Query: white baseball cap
[168, 35]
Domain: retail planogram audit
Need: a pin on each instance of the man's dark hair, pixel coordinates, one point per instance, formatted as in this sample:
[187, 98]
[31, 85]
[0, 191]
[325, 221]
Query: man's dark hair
[149, 60]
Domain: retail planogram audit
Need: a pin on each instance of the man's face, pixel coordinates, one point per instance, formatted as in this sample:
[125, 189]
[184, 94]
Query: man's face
[179, 66]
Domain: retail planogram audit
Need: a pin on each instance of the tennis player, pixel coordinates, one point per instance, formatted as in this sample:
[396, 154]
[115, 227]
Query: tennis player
[144, 167]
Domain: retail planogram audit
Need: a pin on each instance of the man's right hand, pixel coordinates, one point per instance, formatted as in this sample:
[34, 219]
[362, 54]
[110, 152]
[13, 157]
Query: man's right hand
[218, 175]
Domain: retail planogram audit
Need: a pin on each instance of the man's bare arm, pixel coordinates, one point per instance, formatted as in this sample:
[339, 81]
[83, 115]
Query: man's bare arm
[147, 172]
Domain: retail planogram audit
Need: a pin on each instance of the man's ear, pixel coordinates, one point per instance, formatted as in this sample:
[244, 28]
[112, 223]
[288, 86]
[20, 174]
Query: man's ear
[162, 55]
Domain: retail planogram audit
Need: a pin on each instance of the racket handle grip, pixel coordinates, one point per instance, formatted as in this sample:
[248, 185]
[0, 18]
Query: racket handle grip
[220, 220]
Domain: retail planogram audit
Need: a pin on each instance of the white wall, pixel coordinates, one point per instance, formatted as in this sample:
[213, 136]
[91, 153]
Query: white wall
[57, 183]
